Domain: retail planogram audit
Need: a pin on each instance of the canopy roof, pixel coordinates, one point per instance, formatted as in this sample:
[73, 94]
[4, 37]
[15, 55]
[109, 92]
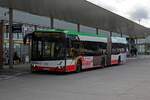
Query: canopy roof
[80, 12]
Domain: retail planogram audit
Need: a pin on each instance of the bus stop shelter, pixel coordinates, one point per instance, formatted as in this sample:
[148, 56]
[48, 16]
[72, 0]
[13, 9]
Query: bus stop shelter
[75, 11]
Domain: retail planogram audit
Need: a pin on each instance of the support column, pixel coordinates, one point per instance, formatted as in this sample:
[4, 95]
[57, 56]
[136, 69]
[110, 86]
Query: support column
[130, 46]
[97, 31]
[145, 47]
[11, 44]
[35, 27]
[136, 44]
[109, 46]
[78, 27]
[121, 34]
[52, 22]
[1, 43]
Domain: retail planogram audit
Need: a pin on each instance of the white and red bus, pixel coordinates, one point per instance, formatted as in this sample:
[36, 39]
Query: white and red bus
[119, 50]
[70, 51]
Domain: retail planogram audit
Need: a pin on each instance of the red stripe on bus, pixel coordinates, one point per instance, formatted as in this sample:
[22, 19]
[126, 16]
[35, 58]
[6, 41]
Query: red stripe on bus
[114, 62]
[71, 68]
[52, 69]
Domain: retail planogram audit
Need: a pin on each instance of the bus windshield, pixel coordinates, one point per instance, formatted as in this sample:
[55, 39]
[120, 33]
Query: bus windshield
[45, 48]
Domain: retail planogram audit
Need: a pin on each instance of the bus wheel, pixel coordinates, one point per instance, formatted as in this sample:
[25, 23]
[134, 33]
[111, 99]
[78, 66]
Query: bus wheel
[119, 60]
[79, 66]
[103, 62]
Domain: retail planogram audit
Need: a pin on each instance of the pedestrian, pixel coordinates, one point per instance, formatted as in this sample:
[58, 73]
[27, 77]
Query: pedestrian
[135, 51]
[16, 58]
[132, 52]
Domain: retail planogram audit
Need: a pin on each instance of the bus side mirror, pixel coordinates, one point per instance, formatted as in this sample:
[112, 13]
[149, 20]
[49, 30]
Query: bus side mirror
[26, 37]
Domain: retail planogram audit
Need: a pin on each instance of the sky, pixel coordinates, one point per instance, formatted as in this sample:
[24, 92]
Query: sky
[135, 10]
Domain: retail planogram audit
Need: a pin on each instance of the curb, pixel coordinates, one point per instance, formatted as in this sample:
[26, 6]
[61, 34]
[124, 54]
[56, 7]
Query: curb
[6, 77]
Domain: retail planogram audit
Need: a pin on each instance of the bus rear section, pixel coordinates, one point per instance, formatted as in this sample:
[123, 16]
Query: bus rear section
[119, 53]
[88, 51]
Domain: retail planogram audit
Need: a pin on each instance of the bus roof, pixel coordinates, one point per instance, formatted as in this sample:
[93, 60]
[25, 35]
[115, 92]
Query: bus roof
[82, 35]
[86, 36]
[68, 32]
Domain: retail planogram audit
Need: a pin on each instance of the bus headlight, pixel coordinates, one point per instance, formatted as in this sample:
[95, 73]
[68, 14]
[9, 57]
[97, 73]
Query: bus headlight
[33, 65]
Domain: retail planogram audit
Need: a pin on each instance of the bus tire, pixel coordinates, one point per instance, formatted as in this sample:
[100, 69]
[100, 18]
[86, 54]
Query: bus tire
[119, 60]
[79, 66]
[103, 62]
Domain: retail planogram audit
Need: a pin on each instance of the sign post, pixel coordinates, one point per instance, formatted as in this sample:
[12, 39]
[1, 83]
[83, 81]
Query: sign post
[11, 45]
[17, 28]
[1, 43]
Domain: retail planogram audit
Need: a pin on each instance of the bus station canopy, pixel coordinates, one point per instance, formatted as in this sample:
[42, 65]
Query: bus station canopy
[79, 12]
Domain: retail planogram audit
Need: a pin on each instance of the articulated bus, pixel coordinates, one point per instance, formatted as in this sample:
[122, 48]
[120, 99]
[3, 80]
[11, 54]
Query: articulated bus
[70, 51]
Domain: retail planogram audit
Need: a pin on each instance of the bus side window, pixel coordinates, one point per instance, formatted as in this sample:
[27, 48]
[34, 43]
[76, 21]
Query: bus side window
[40, 48]
[76, 45]
[73, 49]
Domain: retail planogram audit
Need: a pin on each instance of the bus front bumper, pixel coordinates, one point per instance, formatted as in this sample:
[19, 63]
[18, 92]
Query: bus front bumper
[70, 68]
[49, 69]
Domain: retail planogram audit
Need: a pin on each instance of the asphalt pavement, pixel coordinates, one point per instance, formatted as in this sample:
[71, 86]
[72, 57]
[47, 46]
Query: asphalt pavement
[130, 81]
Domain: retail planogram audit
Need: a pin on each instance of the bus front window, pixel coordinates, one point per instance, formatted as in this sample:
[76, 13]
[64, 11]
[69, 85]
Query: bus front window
[46, 49]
